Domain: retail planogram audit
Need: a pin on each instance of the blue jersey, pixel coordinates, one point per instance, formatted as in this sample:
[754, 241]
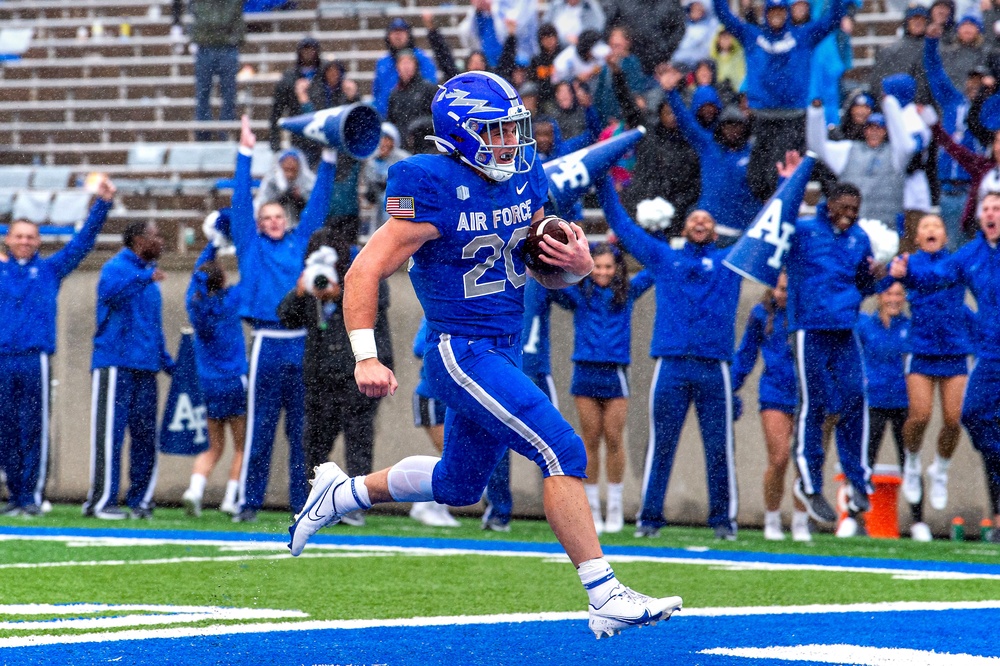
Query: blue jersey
[270, 268]
[696, 296]
[941, 320]
[129, 331]
[535, 359]
[777, 381]
[219, 348]
[828, 274]
[469, 280]
[602, 329]
[883, 350]
[29, 290]
[975, 265]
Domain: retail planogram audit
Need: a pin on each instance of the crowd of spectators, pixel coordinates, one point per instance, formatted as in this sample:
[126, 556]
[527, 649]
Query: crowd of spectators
[724, 97]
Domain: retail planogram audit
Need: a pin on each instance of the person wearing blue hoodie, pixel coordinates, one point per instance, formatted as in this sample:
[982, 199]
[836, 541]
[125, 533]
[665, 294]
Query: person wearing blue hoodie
[830, 270]
[693, 340]
[270, 258]
[976, 267]
[398, 37]
[778, 56]
[724, 154]
[129, 351]
[29, 291]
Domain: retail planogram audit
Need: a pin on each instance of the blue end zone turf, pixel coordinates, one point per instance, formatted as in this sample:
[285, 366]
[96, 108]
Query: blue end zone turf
[679, 642]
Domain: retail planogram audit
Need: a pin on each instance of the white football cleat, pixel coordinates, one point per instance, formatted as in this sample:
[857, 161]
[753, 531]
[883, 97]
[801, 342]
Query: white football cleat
[320, 509]
[912, 486]
[939, 487]
[626, 608]
[192, 503]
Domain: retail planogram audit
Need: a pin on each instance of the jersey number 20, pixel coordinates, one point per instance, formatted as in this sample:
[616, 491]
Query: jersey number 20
[473, 286]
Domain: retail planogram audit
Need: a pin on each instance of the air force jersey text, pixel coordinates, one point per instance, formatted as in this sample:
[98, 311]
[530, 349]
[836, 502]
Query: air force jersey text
[470, 281]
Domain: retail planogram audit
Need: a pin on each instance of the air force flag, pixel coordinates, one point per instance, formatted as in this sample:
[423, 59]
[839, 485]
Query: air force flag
[184, 431]
[760, 253]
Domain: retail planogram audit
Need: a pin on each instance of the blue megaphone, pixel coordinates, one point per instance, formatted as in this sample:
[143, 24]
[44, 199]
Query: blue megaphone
[570, 176]
[353, 128]
[760, 253]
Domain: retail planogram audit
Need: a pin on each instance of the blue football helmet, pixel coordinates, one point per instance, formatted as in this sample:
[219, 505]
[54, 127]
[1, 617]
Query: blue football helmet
[470, 112]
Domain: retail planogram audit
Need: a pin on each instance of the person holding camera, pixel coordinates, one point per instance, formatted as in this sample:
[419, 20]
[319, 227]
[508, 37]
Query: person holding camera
[333, 404]
[221, 362]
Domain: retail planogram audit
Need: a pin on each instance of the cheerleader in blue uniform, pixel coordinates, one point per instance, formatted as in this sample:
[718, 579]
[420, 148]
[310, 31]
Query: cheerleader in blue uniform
[602, 321]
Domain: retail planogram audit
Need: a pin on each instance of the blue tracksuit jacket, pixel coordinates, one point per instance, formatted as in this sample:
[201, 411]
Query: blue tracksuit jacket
[778, 62]
[883, 350]
[941, 321]
[269, 268]
[828, 274]
[129, 317]
[29, 291]
[777, 381]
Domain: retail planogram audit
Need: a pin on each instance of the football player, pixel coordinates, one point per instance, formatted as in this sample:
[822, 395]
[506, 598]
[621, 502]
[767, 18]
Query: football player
[462, 217]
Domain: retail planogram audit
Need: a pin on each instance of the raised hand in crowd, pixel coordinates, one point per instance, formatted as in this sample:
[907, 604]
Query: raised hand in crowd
[668, 76]
[247, 138]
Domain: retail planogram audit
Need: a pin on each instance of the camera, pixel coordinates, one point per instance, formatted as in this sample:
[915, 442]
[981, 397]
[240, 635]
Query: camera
[321, 270]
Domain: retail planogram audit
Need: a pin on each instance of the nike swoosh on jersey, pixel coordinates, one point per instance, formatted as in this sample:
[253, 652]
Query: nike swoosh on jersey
[521, 189]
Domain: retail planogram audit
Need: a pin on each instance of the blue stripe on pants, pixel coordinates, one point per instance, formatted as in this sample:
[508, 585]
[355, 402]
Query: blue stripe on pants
[493, 406]
[677, 382]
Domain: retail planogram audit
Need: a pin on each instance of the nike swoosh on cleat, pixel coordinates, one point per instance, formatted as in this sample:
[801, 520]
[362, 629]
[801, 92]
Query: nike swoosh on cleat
[521, 189]
[312, 514]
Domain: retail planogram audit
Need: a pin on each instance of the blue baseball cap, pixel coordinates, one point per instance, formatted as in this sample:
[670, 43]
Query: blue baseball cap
[775, 4]
[916, 10]
[876, 119]
[968, 18]
[863, 99]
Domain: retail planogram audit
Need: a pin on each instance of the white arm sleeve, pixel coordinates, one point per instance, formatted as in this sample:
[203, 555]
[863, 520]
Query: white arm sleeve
[833, 153]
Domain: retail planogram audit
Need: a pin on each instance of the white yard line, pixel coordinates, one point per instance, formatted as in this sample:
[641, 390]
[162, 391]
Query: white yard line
[315, 625]
[856, 654]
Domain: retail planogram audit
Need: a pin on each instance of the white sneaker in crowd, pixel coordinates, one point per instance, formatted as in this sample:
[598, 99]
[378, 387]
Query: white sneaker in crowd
[912, 490]
[921, 532]
[772, 527]
[229, 506]
[800, 527]
[848, 528]
[939, 487]
[598, 521]
[614, 522]
[192, 503]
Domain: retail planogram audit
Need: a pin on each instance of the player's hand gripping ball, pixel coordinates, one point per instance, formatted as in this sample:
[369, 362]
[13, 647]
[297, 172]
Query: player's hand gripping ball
[534, 248]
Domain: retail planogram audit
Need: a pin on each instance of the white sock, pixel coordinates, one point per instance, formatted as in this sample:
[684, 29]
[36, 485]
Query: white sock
[614, 495]
[198, 484]
[773, 517]
[911, 460]
[598, 579]
[593, 496]
[351, 496]
[409, 480]
[232, 487]
[941, 463]
[800, 518]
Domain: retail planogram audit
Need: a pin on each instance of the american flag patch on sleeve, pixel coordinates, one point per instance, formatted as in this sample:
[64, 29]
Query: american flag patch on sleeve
[400, 207]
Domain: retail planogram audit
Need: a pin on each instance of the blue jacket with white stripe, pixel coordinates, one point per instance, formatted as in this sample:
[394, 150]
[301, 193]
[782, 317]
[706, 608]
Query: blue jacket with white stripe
[696, 296]
[29, 291]
[883, 349]
[828, 274]
[129, 317]
[777, 381]
[270, 268]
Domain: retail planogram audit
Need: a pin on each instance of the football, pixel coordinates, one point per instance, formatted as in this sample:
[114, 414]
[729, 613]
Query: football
[533, 248]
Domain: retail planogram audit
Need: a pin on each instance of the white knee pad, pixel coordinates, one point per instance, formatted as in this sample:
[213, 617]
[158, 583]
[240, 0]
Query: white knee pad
[410, 479]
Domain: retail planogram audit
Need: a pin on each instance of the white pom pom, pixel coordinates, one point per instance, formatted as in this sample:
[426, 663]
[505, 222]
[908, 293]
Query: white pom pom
[885, 241]
[654, 214]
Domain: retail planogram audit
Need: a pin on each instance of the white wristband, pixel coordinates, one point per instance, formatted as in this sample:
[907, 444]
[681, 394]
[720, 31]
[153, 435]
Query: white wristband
[363, 344]
[572, 278]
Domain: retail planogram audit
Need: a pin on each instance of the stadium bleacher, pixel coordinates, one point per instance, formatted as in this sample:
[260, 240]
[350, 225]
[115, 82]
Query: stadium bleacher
[104, 87]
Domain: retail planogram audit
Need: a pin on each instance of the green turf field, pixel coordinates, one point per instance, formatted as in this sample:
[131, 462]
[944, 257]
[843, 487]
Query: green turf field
[61, 564]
